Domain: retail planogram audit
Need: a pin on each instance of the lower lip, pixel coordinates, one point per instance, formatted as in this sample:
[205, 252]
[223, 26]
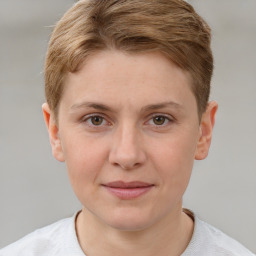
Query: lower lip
[128, 193]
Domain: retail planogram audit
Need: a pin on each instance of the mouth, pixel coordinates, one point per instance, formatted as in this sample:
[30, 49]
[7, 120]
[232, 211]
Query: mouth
[128, 190]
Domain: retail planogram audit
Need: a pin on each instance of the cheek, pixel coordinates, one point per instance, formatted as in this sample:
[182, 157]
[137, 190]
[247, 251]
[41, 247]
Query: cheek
[174, 158]
[84, 159]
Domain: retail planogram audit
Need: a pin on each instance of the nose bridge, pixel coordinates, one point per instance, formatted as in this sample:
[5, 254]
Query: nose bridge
[128, 139]
[127, 149]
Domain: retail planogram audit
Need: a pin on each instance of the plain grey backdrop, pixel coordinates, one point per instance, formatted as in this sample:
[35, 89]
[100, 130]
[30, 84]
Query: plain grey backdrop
[34, 188]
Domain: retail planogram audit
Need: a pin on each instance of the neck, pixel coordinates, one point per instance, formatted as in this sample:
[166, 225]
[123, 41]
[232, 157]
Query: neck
[170, 236]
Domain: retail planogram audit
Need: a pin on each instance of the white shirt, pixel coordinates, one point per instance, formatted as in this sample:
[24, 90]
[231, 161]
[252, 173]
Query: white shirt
[59, 239]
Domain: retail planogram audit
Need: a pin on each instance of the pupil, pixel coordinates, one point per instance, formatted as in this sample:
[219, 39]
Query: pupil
[97, 120]
[159, 120]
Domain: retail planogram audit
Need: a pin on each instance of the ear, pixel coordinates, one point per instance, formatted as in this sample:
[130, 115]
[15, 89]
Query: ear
[206, 128]
[53, 130]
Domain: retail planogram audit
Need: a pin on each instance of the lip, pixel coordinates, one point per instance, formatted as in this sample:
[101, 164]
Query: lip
[128, 190]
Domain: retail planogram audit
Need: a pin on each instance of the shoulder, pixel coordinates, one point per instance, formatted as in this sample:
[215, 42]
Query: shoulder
[209, 241]
[221, 243]
[55, 239]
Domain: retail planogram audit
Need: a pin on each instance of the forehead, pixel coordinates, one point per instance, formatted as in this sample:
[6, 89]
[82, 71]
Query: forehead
[116, 77]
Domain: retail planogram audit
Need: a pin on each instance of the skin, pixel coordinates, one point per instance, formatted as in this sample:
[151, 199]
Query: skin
[121, 118]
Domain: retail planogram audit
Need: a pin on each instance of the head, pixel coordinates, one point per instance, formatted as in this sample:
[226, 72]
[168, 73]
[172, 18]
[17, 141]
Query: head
[171, 27]
[127, 87]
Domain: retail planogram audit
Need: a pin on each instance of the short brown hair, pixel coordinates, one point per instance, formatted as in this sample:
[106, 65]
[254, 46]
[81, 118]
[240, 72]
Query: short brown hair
[169, 26]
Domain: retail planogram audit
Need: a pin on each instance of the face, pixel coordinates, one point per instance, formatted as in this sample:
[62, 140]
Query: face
[129, 132]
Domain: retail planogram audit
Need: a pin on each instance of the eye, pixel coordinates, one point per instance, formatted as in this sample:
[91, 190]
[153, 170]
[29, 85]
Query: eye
[96, 120]
[160, 121]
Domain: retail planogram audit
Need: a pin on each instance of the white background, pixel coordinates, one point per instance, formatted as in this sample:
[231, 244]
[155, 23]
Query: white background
[34, 188]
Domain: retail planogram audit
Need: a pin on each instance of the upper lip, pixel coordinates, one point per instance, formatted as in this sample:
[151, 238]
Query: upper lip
[131, 184]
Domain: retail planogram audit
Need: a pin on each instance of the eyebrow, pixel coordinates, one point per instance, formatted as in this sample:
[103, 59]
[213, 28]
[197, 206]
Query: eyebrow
[103, 107]
[94, 105]
[162, 105]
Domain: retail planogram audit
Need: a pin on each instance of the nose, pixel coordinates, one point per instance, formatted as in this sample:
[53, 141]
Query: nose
[127, 148]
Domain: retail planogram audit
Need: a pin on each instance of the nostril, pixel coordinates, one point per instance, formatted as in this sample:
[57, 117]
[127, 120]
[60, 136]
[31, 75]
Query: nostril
[129, 166]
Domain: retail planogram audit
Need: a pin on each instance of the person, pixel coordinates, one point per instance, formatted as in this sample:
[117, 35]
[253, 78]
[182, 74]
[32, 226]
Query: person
[127, 85]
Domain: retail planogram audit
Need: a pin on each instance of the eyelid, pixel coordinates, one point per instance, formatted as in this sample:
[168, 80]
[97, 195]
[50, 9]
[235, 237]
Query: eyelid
[167, 116]
[162, 114]
[87, 116]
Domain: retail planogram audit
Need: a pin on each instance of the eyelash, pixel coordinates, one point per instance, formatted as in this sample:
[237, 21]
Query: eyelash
[88, 119]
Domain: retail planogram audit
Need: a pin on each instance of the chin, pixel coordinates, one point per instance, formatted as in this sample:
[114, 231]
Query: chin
[129, 226]
[130, 221]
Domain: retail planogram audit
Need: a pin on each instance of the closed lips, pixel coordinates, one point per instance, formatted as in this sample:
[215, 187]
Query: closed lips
[128, 190]
[127, 185]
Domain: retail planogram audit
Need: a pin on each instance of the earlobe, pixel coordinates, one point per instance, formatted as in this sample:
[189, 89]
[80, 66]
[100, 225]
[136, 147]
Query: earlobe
[206, 128]
[53, 131]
